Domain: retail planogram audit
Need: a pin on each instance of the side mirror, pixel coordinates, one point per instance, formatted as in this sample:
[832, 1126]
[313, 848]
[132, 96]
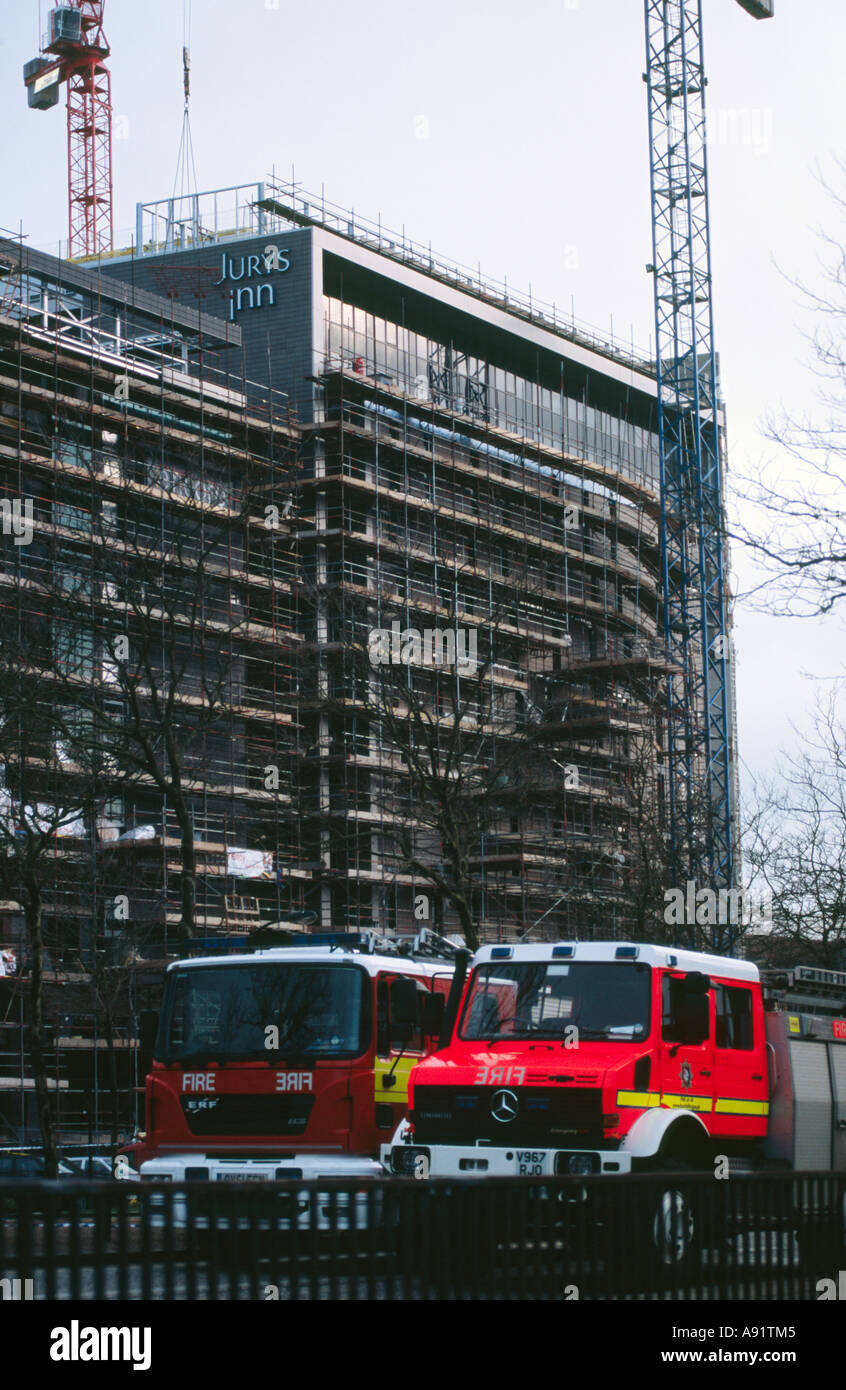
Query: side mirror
[405, 1009]
[693, 1021]
[432, 1015]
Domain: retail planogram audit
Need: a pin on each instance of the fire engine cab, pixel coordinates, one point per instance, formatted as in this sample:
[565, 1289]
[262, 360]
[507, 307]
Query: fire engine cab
[289, 1062]
[608, 1058]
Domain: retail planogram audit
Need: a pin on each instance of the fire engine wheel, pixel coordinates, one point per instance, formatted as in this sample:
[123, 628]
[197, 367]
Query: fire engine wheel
[673, 1226]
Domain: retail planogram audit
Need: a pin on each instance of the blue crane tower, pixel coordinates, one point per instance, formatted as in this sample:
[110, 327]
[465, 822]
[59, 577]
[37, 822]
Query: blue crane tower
[693, 553]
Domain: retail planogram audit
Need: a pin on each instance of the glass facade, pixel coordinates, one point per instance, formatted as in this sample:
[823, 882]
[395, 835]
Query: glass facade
[445, 375]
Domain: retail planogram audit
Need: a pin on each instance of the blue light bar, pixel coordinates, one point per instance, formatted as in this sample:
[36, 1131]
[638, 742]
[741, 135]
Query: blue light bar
[560, 951]
[501, 953]
[335, 938]
[626, 952]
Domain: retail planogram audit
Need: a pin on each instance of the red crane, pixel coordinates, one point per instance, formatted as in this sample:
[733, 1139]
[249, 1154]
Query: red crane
[78, 50]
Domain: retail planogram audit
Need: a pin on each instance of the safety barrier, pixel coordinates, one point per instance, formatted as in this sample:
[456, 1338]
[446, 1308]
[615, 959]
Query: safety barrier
[650, 1236]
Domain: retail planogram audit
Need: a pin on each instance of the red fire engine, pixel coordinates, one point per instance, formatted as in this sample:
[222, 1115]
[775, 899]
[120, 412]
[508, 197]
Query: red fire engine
[605, 1058]
[289, 1062]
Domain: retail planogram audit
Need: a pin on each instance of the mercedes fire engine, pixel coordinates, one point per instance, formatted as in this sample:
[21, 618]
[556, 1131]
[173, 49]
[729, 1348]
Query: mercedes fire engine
[605, 1058]
[289, 1062]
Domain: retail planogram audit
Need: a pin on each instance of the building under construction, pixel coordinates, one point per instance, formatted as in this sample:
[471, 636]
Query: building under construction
[332, 597]
[472, 465]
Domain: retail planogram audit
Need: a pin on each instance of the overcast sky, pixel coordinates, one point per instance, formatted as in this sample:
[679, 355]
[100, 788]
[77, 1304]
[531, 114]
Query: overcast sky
[511, 136]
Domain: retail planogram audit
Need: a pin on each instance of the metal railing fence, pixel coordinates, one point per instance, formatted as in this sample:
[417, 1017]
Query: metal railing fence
[674, 1236]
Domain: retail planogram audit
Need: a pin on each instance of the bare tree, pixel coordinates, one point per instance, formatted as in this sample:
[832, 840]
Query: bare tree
[458, 748]
[649, 868]
[796, 526]
[104, 962]
[152, 629]
[49, 792]
[796, 846]
[653, 868]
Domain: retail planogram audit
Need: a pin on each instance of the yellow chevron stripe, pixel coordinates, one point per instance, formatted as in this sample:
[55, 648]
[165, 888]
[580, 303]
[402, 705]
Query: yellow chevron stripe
[684, 1102]
[743, 1107]
[648, 1100]
[644, 1100]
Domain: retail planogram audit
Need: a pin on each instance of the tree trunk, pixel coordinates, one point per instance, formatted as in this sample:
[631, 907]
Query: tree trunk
[36, 1027]
[468, 926]
[111, 1063]
[462, 896]
[188, 875]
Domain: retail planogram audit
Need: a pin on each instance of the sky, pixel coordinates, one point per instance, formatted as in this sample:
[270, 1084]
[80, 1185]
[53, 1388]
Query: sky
[514, 137]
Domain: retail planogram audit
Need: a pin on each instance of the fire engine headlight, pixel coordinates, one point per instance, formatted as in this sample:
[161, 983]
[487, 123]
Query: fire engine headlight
[579, 1164]
[405, 1160]
[157, 1177]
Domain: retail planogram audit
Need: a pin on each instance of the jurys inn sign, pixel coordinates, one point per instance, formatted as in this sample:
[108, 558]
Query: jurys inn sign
[262, 267]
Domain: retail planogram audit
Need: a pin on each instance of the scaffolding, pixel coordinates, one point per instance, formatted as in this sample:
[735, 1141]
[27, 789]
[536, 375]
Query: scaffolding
[146, 497]
[445, 493]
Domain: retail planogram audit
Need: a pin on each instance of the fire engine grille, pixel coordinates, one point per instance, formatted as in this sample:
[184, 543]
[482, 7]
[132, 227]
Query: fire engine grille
[247, 1114]
[544, 1116]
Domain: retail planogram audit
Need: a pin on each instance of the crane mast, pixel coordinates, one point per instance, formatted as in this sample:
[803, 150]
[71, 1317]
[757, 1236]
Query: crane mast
[74, 50]
[693, 552]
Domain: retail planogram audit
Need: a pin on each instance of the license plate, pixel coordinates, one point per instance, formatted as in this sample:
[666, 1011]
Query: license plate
[242, 1177]
[529, 1162]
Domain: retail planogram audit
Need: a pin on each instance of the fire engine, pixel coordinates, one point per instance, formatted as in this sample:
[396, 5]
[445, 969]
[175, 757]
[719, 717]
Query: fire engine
[290, 1062]
[609, 1058]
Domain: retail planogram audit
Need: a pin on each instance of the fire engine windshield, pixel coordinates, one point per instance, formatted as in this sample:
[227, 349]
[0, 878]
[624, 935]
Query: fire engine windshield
[235, 1013]
[606, 1002]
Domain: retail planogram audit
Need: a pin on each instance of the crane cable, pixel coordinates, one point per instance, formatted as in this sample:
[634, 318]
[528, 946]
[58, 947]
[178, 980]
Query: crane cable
[185, 178]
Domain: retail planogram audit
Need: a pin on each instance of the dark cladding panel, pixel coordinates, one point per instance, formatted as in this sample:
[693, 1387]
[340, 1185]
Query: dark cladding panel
[263, 285]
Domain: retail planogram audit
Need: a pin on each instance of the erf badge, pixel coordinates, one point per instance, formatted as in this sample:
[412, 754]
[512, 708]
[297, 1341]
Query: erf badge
[686, 1075]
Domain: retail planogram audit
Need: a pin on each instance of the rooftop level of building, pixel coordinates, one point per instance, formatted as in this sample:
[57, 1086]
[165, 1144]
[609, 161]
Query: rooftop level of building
[245, 211]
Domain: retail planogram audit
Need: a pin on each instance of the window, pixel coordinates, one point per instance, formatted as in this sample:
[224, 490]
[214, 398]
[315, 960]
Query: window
[73, 572]
[673, 1008]
[73, 651]
[607, 1002]
[223, 1014]
[733, 1017]
[73, 518]
[384, 1043]
[74, 734]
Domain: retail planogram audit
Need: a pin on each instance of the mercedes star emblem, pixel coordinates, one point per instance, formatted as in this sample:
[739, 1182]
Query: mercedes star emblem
[504, 1106]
